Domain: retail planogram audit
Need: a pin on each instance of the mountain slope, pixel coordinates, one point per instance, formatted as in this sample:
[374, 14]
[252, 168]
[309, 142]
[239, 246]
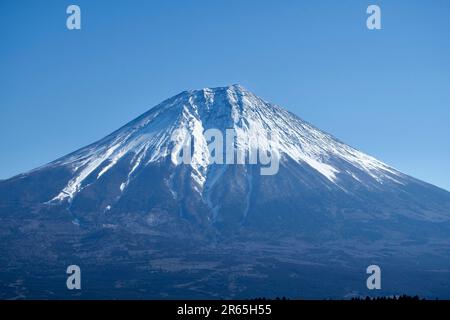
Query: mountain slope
[317, 162]
[129, 189]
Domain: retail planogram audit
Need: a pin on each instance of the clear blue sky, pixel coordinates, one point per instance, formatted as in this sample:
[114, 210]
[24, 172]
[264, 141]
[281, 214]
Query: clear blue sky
[385, 92]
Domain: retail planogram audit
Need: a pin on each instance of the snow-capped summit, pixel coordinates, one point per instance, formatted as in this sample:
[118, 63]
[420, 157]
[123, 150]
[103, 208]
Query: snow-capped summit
[256, 124]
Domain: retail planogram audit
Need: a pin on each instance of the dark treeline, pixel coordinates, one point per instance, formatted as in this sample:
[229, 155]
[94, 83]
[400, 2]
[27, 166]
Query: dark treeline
[403, 297]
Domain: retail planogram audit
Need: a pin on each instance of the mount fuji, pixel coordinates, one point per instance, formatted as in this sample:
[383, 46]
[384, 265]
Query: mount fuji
[141, 225]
